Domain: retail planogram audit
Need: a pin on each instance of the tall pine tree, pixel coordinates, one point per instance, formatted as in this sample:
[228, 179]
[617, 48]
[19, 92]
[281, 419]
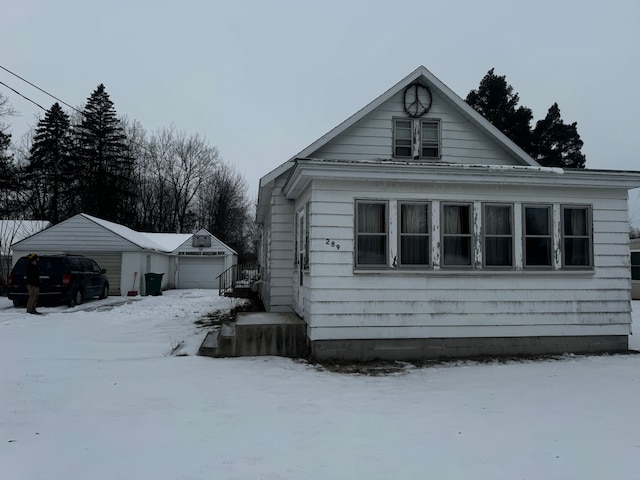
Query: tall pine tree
[552, 143]
[556, 144]
[9, 174]
[49, 169]
[103, 165]
[495, 100]
[8, 178]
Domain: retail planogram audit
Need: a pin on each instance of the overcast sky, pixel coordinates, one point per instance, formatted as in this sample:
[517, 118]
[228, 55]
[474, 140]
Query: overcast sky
[261, 80]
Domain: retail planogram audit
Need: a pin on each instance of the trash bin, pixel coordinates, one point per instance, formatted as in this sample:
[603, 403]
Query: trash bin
[153, 283]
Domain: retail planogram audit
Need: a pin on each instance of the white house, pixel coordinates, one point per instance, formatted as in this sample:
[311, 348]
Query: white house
[185, 260]
[416, 229]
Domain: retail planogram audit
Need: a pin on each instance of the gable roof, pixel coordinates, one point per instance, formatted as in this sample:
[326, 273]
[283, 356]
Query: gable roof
[216, 244]
[169, 241]
[159, 242]
[424, 76]
[13, 231]
[163, 242]
[139, 239]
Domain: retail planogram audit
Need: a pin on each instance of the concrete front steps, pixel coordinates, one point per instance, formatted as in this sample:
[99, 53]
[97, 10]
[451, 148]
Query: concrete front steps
[258, 334]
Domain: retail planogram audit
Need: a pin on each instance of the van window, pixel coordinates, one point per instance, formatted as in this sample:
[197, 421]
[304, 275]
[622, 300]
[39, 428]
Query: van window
[86, 265]
[74, 264]
[49, 266]
[20, 268]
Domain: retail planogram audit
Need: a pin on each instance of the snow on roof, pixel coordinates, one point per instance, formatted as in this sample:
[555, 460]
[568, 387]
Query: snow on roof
[169, 241]
[142, 240]
[163, 242]
[12, 231]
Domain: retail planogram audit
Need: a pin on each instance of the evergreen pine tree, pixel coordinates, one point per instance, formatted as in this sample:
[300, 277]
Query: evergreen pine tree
[49, 169]
[494, 99]
[8, 177]
[556, 144]
[551, 143]
[103, 165]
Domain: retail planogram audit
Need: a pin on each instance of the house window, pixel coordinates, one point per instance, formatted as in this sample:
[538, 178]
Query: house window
[498, 235]
[456, 235]
[635, 265]
[414, 234]
[296, 246]
[430, 139]
[402, 138]
[301, 258]
[371, 234]
[307, 216]
[537, 236]
[576, 236]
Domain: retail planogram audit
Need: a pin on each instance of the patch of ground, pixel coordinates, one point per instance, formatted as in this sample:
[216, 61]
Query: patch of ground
[381, 367]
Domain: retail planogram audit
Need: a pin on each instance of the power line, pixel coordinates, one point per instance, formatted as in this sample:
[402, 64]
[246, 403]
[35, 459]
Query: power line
[26, 98]
[35, 86]
[130, 139]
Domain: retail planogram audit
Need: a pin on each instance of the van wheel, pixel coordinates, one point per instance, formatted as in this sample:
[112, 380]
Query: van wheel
[18, 303]
[76, 299]
[105, 292]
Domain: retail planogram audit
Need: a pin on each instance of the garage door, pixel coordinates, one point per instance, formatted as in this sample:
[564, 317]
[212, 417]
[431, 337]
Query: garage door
[199, 271]
[113, 264]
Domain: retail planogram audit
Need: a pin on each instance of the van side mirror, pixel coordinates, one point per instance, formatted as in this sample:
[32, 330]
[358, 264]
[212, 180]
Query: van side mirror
[104, 270]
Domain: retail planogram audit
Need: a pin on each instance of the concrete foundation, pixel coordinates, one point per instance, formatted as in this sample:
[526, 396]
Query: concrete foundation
[258, 334]
[432, 348]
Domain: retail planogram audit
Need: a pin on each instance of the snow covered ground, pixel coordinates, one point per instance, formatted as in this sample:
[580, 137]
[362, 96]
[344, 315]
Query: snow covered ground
[92, 392]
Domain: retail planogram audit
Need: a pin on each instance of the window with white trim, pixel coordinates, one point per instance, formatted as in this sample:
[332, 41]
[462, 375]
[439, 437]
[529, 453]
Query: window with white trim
[423, 135]
[429, 139]
[371, 233]
[456, 229]
[307, 217]
[415, 245]
[635, 265]
[538, 236]
[403, 138]
[299, 228]
[497, 227]
[576, 236]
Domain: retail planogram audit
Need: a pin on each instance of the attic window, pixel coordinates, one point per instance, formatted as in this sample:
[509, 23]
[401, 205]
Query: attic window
[201, 241]
[417, 139]
[402, 138]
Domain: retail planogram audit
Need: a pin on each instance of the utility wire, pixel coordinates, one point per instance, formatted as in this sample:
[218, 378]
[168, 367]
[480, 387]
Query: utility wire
[131, 140]
[26, 98]
[35, 86]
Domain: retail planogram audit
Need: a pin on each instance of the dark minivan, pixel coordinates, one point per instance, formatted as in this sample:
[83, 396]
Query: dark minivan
[63, 279]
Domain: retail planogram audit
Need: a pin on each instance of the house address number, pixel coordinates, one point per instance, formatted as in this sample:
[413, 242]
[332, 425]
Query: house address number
[332, 244]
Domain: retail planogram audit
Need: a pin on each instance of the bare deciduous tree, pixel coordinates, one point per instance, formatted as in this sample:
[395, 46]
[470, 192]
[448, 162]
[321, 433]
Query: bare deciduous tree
[225, 210]
[180, 165]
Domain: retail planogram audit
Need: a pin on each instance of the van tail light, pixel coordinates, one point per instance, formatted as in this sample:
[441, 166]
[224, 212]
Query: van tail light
[10, 279]
[66, 279]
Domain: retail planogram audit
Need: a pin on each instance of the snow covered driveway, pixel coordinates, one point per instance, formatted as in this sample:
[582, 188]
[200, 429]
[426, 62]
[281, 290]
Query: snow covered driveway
[92, 393]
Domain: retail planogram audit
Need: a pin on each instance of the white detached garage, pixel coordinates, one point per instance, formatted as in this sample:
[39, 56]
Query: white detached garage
[185, 260]
[201, 259]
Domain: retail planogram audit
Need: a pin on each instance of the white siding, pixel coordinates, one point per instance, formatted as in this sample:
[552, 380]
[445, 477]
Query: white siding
[389, 303]
[371, 137]
[277, 289]
[73, 235]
